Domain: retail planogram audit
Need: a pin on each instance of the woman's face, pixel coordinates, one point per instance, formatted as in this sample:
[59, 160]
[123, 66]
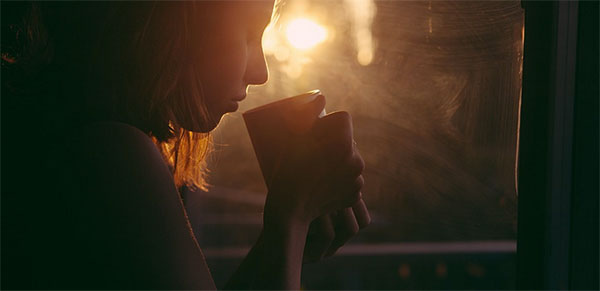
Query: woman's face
[231, 56]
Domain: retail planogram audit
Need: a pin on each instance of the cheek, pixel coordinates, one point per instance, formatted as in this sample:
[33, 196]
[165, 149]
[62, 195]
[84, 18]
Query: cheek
[224, 68]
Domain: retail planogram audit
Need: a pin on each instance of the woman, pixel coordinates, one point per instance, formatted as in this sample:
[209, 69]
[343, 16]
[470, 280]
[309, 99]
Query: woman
[123, 96]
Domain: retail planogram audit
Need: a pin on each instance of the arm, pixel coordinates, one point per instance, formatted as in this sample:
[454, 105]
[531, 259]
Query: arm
[275, 261]
[323, 240]
[279, 267]
[281, 263]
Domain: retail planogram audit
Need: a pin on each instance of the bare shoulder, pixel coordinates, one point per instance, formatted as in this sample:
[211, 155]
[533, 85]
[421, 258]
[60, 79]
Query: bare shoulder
[119, 164]
[132, 210]
[115, 148]
[116, 136]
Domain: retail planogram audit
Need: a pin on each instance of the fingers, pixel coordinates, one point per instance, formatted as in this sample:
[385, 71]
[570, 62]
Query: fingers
[328, 153]
[347, 182]
[330, 232]
[321, 235]
[346, 227]
[352, 192]
[353, 166]
[342, 195]
[361, 213]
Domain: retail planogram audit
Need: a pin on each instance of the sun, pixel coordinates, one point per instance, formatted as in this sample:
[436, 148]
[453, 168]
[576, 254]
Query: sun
[303, 33]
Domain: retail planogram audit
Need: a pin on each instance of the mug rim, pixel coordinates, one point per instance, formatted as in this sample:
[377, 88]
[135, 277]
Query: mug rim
[279, 102]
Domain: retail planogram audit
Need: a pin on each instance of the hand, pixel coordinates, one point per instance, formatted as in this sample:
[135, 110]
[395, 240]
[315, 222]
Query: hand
[320, 171]
[329, 232]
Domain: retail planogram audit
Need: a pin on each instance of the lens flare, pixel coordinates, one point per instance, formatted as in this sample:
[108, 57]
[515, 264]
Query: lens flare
[303, 33]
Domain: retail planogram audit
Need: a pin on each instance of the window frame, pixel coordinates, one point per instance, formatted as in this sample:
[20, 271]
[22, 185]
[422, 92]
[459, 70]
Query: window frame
[551, 188]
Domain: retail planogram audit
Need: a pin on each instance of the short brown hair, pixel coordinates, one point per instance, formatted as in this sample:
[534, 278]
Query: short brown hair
[131, 61]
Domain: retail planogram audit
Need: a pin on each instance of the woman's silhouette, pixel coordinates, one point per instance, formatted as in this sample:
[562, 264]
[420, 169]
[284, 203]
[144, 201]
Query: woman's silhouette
[107, 110]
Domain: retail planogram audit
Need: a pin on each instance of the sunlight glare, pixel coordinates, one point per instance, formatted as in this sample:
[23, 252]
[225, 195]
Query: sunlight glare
[303, 33]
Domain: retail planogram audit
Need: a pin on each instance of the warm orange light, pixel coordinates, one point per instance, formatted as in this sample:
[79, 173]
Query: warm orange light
[303, 33]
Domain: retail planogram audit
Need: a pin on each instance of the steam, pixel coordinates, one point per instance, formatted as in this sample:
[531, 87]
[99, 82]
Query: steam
[362, 12]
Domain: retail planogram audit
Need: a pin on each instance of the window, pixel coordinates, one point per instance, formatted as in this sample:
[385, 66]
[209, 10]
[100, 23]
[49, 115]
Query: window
[434, 91]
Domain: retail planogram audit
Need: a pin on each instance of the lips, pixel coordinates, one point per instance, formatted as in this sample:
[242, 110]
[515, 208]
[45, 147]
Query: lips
[232, 106]
[239, 98]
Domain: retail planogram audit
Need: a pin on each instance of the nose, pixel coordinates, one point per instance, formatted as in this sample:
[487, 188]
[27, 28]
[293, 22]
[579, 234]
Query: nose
[256, 69]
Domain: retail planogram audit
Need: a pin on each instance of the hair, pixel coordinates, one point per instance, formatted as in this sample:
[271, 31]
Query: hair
[124, 61]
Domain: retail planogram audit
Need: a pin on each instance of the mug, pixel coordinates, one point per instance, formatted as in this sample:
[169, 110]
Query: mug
[273, 126]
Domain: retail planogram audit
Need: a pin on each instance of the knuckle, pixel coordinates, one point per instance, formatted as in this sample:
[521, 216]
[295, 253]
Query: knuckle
[353, 197]
[346, 148]
[359, 165]
[358, 184]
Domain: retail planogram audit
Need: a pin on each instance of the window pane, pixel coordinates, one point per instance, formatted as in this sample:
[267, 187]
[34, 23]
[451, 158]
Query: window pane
[434, 90]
